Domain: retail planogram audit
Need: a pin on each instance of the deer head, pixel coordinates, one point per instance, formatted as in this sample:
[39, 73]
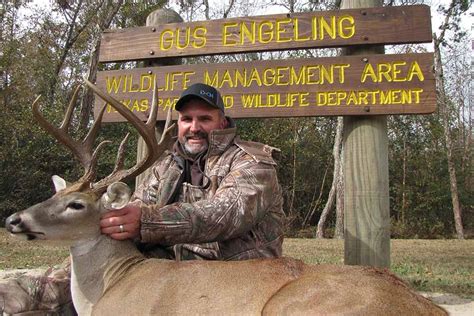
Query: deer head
[83, 201]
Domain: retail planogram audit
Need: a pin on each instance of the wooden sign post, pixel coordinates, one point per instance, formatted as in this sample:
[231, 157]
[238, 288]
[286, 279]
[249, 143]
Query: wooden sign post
[366, 187]
[362, 86]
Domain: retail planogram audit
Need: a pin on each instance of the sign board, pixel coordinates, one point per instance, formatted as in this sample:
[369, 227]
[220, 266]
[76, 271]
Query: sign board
[382, 25]
[346, 85]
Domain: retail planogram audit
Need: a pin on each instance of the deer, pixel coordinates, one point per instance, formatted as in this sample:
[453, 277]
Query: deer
[111, 277]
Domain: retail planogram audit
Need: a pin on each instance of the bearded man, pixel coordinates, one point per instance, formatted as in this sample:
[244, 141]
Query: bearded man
[213, 196]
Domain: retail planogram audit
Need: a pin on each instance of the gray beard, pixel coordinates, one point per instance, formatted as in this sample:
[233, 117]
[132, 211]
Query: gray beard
[194, 150]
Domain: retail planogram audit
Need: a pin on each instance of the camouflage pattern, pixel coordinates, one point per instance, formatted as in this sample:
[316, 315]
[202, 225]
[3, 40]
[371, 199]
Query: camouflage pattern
[31, 293]
[237, 213]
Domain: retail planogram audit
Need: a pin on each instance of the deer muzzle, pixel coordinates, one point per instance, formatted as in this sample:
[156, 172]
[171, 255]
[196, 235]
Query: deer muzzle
[16, 226]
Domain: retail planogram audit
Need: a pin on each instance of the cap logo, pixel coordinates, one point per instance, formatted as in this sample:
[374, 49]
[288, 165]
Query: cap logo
[208, 94]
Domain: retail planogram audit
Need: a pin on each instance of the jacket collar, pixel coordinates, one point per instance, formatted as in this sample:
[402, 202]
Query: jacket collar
[219, 140]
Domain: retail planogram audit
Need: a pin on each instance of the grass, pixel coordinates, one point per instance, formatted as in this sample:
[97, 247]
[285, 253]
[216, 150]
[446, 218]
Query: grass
[428, 265]
[20, 254]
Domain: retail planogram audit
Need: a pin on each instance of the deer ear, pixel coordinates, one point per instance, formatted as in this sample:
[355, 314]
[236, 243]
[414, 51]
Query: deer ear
[117, 196]
[59, 183]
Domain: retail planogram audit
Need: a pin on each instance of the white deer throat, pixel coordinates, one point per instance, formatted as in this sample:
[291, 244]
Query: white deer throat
[96, 266]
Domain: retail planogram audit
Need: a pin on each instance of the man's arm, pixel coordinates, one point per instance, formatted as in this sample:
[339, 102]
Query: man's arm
[244, 196]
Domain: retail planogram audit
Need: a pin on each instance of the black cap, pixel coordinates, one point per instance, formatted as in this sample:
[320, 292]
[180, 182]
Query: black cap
[202, 91]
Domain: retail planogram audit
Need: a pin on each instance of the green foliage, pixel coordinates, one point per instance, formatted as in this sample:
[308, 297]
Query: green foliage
[305, 145]
[30, 64]
[29, 61]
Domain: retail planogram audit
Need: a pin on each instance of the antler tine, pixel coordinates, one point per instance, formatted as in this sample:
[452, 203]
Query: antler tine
[146, 131]
[132, 118]
[121, 154]
[70, 109]
[82, 151]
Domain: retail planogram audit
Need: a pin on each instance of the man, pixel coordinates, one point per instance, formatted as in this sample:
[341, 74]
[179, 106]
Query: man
[213, 196]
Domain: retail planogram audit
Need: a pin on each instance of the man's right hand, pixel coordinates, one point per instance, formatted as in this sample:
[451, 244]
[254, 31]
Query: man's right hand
[122, 223]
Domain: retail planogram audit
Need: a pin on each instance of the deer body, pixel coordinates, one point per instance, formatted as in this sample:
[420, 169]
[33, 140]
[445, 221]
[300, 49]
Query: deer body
[110, 277]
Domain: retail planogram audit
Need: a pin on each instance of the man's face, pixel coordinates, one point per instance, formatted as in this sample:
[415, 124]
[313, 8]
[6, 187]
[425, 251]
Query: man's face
[196, 119]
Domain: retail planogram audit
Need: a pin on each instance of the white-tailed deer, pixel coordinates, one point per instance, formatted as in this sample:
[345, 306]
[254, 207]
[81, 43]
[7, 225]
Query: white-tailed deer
[110, 277]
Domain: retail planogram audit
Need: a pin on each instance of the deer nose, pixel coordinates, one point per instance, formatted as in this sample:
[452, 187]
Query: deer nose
[12, 221]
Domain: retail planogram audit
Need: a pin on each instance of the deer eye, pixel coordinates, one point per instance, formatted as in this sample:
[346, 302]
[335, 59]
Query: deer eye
[75, 205]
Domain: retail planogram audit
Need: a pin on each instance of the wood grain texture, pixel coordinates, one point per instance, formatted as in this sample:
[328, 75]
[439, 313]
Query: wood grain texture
[366, 194]
[155, 18]
[286, 88]
[366, 188]
[387, 25]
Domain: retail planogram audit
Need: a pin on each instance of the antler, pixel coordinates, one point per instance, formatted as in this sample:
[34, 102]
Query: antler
[84, 150]
[147, 132]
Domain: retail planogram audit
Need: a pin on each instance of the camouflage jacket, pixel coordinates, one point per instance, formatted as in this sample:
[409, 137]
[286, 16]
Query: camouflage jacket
[237, 215]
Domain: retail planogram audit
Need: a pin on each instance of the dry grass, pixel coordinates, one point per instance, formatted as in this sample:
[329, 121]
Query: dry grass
[20, 254]
[429, 265]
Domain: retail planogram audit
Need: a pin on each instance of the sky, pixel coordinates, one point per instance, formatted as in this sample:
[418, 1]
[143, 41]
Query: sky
[436, 19]
[466, 22]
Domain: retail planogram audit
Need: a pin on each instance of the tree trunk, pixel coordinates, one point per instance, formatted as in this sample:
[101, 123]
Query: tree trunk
[444, 111]
[290, 214]
[314, 204]
[88, 95]
[339, 231]
[336, 152]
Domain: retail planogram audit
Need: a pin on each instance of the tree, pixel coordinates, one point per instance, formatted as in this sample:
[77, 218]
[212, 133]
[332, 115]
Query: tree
[456, 8]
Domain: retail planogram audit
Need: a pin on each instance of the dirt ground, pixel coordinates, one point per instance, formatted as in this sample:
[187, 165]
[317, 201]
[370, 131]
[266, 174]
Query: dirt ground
[455, 305]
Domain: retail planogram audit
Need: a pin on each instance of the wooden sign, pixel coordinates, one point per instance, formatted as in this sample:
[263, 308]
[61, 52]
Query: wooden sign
[383, 25]
[347, 85]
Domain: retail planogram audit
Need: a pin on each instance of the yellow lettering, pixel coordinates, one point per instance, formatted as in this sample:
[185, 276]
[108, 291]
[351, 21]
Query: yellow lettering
[143, 105]
[296, 31]
[245, 32]
[240, 78]
[211, 81]
[186, 79]
[268, 32]
[417, 93]
[329, 28]
[342, 69]
[281, 30]
[368, 72]
[112, 84]
[199, 35]
[248, 100]
[346, 26]
[226, 34]
[326, 75]
[303, 99]
[281, 72]
[146, 82]
[254, 76]
[415, 70]
[384, 70]
[269, 77]
[297, 78]
[228, 101]
[166, 40]
[226, 79]
[182, 40]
